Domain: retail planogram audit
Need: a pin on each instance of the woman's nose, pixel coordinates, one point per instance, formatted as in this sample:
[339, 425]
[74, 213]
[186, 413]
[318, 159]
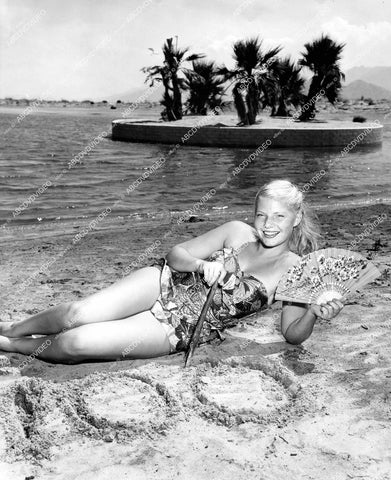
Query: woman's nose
[268, 222]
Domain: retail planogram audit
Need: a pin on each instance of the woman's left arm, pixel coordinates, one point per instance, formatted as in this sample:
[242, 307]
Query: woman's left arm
[298, 320]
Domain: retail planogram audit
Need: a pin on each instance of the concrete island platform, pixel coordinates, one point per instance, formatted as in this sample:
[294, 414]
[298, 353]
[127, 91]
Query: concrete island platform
[221, 131]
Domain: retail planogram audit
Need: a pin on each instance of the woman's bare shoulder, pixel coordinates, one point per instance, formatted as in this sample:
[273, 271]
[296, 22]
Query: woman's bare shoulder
[239, 233]
[239, 225]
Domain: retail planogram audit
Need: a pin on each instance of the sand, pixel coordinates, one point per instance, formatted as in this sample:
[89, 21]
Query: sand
[250, 407]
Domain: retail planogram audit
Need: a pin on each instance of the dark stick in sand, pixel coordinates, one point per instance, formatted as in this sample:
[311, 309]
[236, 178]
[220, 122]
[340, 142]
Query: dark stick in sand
[197, 331]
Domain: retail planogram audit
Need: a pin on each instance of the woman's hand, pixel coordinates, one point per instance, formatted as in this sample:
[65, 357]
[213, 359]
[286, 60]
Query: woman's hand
[212, 271]
[327, 310]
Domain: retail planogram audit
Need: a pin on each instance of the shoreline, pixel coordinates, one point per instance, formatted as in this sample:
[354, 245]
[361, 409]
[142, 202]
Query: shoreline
[70, 227]
[325, 111]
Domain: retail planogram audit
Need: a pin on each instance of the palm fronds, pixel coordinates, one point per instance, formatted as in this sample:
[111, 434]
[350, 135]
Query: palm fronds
[206, 87]
[169, 75]
[250, 72]
[322, 57]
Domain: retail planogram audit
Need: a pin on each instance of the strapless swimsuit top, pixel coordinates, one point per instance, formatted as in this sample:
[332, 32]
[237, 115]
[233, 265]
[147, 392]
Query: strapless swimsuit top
[183, 295]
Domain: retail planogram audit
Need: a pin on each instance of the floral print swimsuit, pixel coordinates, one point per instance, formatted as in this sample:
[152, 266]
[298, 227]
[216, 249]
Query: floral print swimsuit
[183, 295]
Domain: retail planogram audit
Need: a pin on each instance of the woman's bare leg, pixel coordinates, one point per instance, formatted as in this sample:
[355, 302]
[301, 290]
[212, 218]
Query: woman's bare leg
[139, 336]
[132, 294]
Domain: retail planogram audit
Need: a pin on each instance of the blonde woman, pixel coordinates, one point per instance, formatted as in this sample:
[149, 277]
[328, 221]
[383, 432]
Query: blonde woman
[152, 311]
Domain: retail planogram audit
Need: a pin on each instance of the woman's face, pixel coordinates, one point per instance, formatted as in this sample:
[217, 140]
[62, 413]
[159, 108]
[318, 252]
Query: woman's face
[274, 221]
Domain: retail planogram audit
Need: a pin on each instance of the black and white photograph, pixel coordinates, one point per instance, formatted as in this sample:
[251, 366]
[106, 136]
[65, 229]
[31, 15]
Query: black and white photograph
[195, 251]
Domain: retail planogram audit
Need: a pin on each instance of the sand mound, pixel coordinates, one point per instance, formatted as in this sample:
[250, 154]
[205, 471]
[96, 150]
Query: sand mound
[246, 389]
[37, 416]
[241, 391]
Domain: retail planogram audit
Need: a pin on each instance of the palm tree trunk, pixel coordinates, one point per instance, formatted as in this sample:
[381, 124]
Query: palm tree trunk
[282, 110]
[252, 102]
[308, 109]
[169, 109]
[177, 98]
[167, 99]
[240, 105]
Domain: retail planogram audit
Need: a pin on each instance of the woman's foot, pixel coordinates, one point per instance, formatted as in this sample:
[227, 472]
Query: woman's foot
[6, 328]
[5, 344]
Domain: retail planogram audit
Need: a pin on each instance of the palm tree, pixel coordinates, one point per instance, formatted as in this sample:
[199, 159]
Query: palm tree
[205, 86]
[169, 75]
[270, 91]
[322, 57]
[250, 73]
[286, 88]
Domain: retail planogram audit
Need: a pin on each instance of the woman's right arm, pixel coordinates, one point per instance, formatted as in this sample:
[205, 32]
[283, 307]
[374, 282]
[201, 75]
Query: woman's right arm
[190, 256]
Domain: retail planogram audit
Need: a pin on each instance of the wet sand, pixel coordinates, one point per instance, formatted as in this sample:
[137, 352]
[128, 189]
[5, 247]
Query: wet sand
[249, 407]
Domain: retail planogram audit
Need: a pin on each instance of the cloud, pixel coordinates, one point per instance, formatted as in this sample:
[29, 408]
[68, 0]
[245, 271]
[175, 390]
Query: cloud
[365, 43]
[65, 51]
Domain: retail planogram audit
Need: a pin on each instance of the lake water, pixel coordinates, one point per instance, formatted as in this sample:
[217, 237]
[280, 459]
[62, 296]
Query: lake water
[40, 148]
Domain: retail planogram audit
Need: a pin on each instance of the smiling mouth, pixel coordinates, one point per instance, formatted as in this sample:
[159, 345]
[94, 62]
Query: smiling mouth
[270, 234]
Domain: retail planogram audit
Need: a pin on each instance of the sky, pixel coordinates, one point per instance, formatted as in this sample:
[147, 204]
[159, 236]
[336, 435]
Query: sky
[89, 49]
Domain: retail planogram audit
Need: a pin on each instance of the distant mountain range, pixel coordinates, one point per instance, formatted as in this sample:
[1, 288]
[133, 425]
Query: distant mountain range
[367, 82]
[359, 88]
[380, 76]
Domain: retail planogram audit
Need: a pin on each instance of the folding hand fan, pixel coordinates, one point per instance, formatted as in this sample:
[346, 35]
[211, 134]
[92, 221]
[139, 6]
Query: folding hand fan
[326, 274]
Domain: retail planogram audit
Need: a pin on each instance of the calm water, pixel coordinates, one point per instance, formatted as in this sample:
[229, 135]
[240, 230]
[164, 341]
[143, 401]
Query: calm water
[42, 145]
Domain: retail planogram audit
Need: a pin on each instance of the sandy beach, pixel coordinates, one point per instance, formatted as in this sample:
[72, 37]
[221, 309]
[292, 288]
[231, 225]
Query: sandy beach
[249, 407]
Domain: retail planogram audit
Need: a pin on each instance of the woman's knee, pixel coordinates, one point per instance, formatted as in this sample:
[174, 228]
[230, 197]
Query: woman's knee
[74, 313]
[71, 346]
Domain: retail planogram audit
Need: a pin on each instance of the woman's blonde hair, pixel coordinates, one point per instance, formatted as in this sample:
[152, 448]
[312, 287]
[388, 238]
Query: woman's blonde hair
[305, 235]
